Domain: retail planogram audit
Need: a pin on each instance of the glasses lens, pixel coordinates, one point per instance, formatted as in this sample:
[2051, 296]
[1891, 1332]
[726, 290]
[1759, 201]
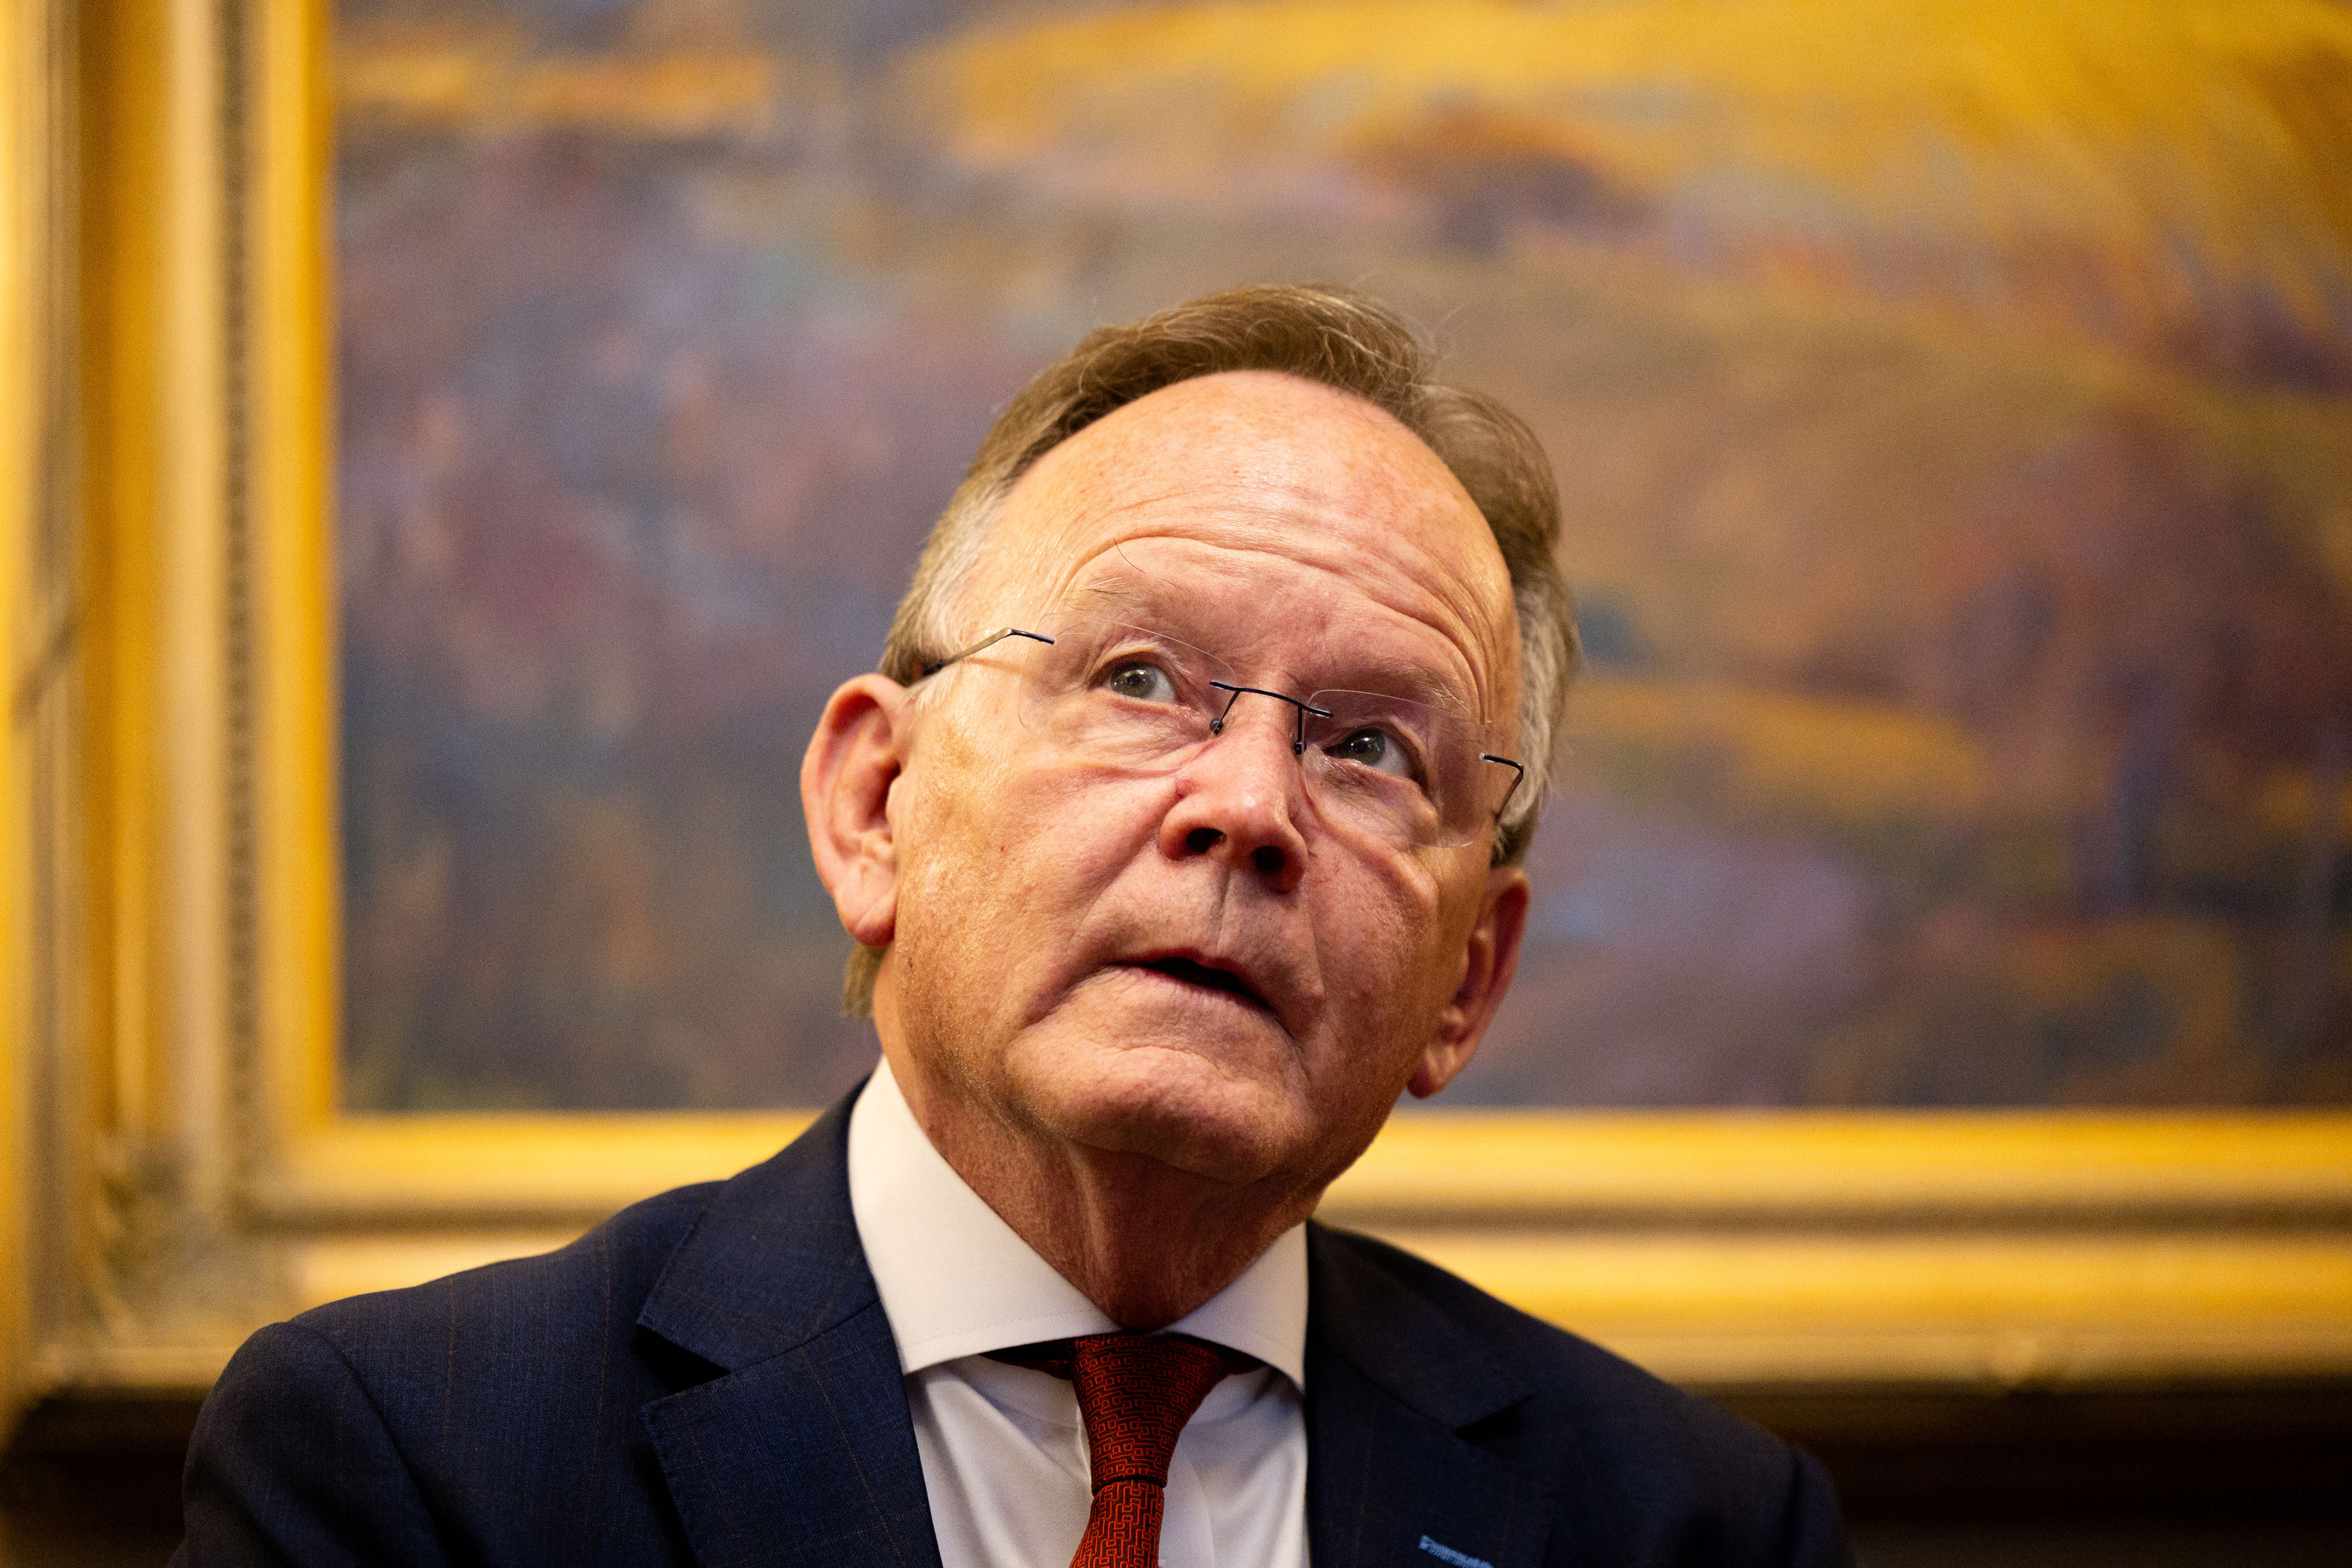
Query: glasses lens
[1407, 771]
[1109, 693]
[1120, 694]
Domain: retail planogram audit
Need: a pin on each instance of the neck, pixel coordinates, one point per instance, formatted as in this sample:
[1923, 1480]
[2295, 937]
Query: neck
[1143, 1240]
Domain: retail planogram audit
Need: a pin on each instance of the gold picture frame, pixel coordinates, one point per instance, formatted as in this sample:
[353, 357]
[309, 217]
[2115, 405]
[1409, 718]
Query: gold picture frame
[180, 1170]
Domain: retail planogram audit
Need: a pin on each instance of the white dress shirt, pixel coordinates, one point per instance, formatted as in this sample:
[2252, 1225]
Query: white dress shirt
[1004, 1453]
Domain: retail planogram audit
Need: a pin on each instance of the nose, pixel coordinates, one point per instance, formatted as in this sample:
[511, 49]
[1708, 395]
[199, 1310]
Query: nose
[1239, 798]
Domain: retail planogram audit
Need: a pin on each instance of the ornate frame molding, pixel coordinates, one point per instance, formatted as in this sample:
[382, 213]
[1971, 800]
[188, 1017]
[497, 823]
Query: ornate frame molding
[177, 1169]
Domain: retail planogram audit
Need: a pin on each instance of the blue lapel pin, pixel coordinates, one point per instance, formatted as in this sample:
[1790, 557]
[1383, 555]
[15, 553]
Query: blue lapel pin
[1445, 1553]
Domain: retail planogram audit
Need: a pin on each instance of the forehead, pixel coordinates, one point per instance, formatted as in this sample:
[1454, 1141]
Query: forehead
[1302, 506]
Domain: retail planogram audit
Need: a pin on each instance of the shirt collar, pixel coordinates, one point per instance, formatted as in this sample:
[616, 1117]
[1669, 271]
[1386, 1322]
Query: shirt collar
[956, 1281]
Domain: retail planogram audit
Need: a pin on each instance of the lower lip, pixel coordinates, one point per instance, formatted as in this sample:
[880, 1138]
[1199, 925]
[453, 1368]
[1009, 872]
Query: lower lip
[1208, 993]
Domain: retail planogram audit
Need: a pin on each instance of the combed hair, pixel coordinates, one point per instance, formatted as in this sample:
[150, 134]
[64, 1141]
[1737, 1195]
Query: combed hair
[1336, 336]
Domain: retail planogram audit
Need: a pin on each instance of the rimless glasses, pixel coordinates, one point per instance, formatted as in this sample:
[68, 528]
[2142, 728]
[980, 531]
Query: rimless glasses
[1111, 694]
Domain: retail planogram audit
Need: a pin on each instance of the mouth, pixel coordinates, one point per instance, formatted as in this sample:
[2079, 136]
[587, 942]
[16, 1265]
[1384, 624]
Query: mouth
[1207, 978]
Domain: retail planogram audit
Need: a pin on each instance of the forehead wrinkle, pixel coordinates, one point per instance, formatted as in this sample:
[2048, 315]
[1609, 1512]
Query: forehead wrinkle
[1362, 501]
[1459, 686]
[1483, 656]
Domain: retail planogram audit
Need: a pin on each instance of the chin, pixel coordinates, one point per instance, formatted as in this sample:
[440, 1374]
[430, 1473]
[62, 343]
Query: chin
[1169, 1102]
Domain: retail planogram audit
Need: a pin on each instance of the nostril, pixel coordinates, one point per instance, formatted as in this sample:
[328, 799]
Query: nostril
[1267, 859]
[1201, 840]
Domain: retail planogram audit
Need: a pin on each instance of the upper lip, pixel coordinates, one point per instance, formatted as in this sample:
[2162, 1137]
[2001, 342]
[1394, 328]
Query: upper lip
[1218, 972]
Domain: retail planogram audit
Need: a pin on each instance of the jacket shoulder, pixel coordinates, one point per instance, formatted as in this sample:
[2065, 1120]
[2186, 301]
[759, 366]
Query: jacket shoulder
[488, 1416]
[290, 1464]
[1533, 1351]
[1675, 1477]
[591, 1288]
[531, 1369]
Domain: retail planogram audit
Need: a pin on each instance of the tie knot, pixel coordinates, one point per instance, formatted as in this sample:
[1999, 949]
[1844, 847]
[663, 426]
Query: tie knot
[1135, 1394]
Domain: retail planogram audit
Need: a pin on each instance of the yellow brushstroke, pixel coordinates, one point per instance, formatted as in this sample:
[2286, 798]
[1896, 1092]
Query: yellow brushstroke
[2129, 123]
[483, 77]
[1777, 753]
[675, 96]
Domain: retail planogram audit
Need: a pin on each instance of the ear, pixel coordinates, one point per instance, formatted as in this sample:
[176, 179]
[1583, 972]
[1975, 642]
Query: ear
[853, 759]
[1493, 957]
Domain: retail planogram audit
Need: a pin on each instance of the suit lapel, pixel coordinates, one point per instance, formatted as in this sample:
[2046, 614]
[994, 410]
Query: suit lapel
[1392, 1384]
[803, 1452]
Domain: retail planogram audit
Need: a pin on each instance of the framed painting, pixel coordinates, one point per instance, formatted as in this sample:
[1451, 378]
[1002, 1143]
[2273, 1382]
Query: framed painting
[495, 428]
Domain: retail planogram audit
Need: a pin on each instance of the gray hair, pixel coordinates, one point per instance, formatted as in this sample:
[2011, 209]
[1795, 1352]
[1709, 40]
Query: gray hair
[1343, 339]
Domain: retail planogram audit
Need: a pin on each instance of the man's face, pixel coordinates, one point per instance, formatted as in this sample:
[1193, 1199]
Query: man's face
[1201, 964]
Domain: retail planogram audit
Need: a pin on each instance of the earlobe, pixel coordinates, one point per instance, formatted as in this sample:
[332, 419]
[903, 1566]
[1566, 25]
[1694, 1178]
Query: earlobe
[1491, 959]
[853, 759]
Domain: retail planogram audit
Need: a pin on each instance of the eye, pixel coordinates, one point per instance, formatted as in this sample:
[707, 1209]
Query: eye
[1139, 680]
[1373, 748]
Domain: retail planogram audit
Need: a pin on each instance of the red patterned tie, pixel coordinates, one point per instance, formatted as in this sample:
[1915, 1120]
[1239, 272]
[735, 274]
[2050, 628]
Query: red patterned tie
[1135, 1394]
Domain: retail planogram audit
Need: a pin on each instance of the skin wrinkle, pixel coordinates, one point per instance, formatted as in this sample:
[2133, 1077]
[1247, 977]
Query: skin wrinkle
[1500, 718]
[1376, 672]
[1150, 1137]
[1391, 464]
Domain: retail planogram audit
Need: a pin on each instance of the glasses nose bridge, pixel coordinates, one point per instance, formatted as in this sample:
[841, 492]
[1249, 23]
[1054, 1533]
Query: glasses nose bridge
[1300, 711]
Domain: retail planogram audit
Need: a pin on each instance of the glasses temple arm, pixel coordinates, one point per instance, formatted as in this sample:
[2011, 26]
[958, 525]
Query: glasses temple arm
[991, 640]
[1519, 777]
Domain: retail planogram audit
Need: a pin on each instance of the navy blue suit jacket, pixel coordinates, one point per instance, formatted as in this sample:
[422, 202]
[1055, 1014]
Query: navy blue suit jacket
[707, 1378]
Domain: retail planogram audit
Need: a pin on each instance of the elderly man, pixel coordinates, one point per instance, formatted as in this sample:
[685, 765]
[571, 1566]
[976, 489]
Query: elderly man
[1180, 836]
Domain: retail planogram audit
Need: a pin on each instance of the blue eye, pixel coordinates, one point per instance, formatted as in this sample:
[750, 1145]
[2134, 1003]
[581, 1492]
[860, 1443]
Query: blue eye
[1140, 681]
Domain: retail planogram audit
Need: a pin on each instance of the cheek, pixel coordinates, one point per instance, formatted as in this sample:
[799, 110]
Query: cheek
[999, 856]
[943, 835]
[1387, 947]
